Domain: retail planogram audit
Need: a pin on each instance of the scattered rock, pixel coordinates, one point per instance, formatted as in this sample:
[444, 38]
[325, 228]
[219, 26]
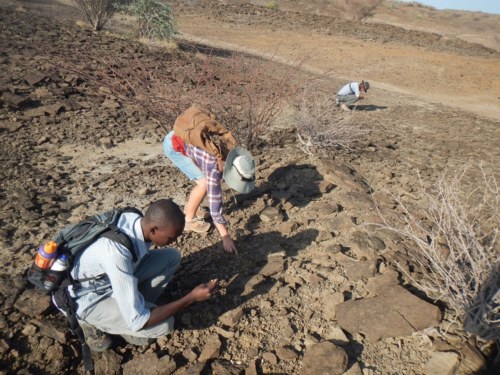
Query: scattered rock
[270, 357]
[224, 367]
[286, 354]
[190, 355]
[379, 283]
[50, 331]
[34, 77]
[272, 267]
[442, 363]
[335, 335]
[324, 358]
[330, 301]
[341, 174]
[472, 359]
[10, 126]
[148, 364]
[323, 208]
[325, 187]
[211, 349]
[196, 369]
[32, 303]
[356, 269]
[252, 368]
[107, 362]
[364, 245]
[14, 100]
[288, 227]
[231, 317]
[106, 142]
[271, 214]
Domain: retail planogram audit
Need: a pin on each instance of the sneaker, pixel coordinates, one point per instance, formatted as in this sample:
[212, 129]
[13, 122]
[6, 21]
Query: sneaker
[97, 340]
[196, 225]
[345, 107]
[139, 341]
[202, 213]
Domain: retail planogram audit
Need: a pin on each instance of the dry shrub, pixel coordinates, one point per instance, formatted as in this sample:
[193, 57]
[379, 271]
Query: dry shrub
[251, 93]
[245, 93]
[97, 12]
[357, 9]
[321, 128]
[454, 247]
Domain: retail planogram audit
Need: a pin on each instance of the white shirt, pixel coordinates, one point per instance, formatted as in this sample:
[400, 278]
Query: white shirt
[115, 261]
[351, 88]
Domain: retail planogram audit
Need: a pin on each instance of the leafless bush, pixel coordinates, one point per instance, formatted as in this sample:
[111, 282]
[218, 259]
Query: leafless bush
[97, 12]
[321, 128]
[455, 249]
[357, 9]
[245, 93]
[252, 92]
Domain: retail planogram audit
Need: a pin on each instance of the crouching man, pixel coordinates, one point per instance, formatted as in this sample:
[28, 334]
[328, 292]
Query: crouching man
[116, 294]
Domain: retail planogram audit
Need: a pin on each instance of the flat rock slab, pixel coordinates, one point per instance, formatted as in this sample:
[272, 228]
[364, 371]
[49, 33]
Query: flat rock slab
[32, 303]
[395, 312]
[324, 358]
[341, 174]
[149, 364]
[443, 363]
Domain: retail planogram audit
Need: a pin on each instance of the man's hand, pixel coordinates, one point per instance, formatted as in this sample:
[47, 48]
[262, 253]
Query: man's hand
[229, 245]
[204, 291]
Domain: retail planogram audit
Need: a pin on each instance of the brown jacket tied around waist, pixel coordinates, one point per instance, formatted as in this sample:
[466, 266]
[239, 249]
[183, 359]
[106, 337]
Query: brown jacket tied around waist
[198, 127]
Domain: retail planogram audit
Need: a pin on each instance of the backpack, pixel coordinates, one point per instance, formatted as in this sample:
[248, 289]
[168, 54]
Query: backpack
[198, 127]
[72, 241]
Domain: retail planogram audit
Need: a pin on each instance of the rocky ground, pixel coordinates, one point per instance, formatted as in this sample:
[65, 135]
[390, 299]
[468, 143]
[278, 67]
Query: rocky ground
[315, 289]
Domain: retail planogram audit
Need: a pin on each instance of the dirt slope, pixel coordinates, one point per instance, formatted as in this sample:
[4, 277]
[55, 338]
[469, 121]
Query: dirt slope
[422, 64]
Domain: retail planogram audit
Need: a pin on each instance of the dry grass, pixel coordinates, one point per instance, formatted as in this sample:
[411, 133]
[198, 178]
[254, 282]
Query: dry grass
[321, 127]
[357, 9]
[454, 246]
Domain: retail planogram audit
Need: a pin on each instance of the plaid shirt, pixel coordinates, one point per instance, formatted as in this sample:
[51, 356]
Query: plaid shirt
[208, 165]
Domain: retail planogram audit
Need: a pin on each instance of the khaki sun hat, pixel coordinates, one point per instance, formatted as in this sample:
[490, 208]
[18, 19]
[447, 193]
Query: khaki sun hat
[239, 170]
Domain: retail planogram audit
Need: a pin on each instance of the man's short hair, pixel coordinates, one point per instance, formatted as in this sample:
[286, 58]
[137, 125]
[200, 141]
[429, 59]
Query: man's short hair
[164, 213]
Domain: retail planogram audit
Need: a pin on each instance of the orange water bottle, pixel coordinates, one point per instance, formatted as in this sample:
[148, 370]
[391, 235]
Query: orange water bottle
[46, 255]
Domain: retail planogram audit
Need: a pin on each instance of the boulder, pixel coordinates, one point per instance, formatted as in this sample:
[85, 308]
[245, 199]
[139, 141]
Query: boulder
[394, 312]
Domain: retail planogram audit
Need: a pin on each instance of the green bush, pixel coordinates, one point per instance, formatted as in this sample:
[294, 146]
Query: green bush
[273, 5]
[155, 18]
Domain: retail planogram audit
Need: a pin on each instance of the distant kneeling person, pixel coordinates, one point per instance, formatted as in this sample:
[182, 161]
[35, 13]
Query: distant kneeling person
[351, 93]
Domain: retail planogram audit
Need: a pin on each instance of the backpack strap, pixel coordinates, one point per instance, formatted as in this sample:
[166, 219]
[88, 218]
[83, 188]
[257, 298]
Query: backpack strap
[350, 88]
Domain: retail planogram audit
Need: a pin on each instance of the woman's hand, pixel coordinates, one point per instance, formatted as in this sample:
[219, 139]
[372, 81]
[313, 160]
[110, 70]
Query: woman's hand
[229, 245]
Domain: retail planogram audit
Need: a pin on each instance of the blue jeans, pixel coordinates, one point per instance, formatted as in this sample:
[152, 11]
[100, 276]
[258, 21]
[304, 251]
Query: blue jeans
[184, 163]
[153, 273]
